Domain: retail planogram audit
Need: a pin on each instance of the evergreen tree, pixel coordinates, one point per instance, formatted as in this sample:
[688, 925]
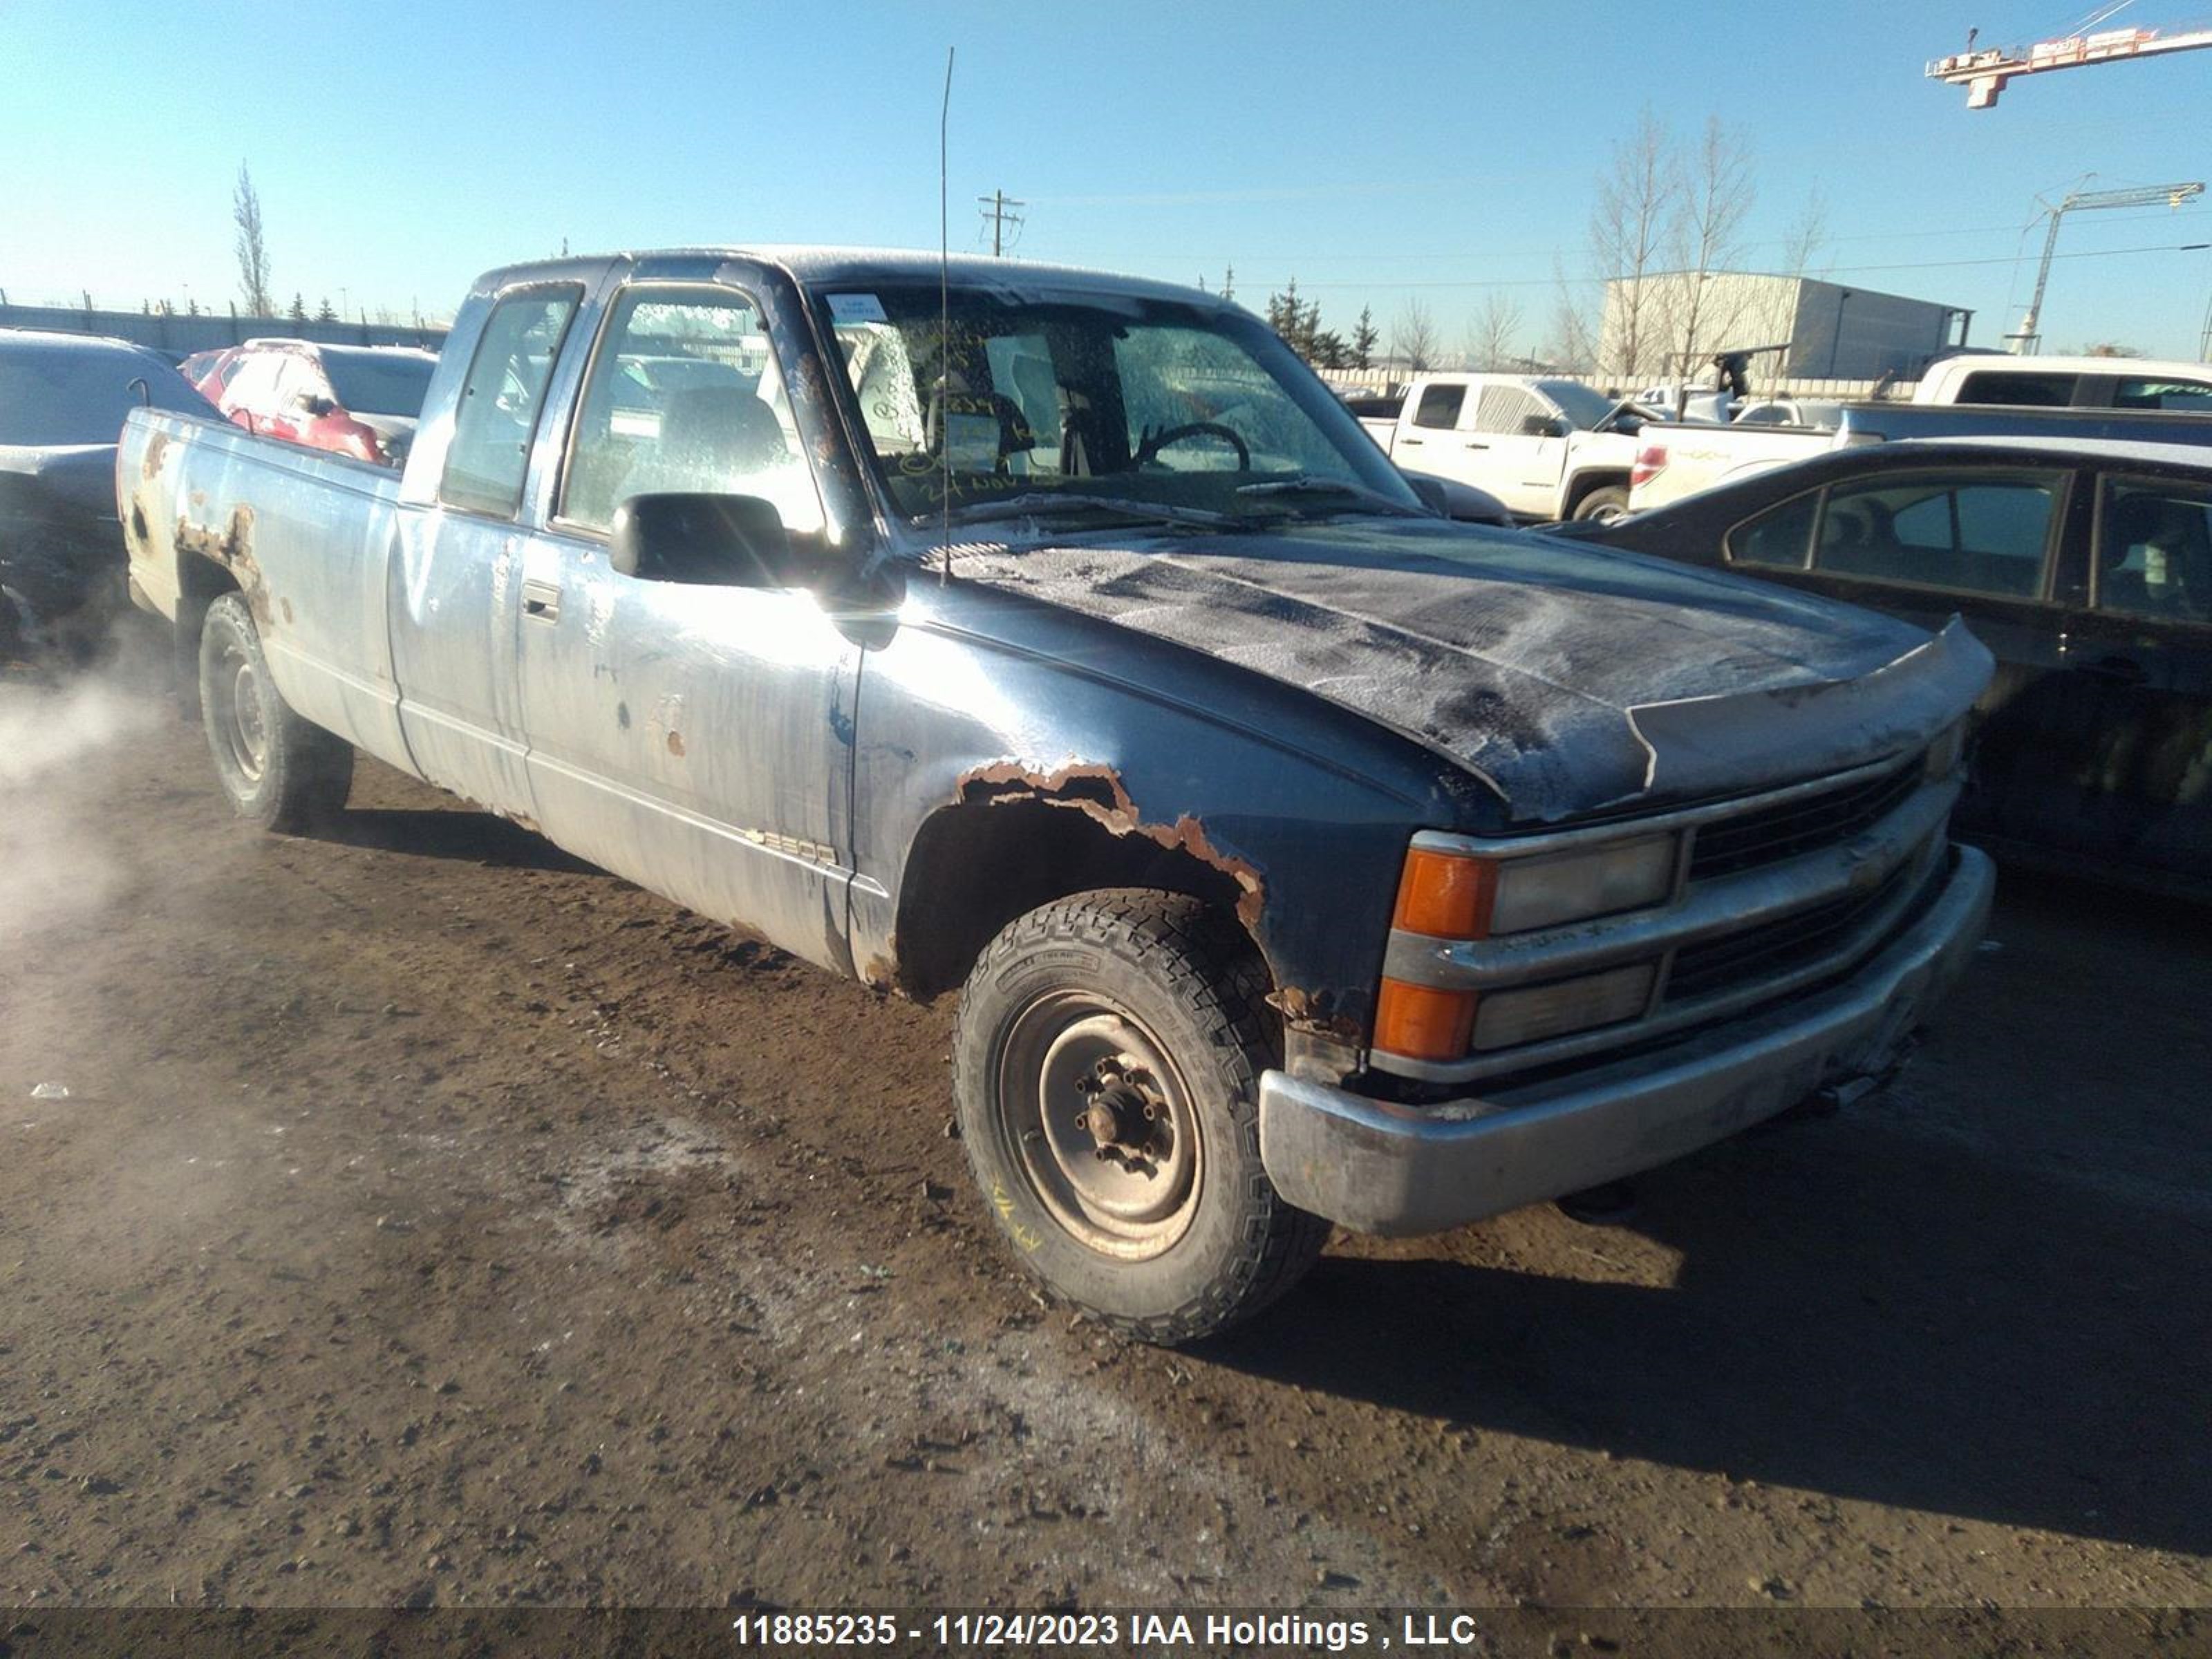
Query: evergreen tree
[1297, 320]
[324, 313]
[298, 314]
[1365, 338]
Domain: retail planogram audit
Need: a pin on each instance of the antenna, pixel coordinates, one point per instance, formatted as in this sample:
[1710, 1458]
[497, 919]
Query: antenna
[945, 324]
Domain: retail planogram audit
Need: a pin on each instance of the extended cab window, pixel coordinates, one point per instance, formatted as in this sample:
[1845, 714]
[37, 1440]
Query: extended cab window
[1439, 406]
[490, 451]
[684, 396]
[1981, 535]
[2034, 390]
[2154, 550]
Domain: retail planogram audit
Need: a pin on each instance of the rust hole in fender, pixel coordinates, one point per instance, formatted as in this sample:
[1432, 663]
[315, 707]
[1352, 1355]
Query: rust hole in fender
[1096, 791]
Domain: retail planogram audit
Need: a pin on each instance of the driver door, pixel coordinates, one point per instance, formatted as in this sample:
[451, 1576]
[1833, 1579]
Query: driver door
[694, 738]
[1524, 459]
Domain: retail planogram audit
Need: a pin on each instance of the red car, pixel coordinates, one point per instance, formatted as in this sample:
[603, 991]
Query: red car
[209, 370]
[362, 401]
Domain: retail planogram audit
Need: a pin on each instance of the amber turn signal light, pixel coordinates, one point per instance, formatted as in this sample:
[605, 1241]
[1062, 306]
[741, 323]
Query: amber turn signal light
[1423, 1022]
[1445, 895]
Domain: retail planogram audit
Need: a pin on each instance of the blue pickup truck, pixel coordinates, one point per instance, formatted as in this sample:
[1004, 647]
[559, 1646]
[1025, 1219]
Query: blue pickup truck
[1299, 856]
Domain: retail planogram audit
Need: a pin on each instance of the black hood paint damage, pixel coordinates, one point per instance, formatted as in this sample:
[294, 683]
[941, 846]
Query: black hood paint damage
[1572, 679]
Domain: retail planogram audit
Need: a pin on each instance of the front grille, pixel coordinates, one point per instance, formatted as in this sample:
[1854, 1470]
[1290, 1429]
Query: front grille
[1777, 948]
[1774, 833]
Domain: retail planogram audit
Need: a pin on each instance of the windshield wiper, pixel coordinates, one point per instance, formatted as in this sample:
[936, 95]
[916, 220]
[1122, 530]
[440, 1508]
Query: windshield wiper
[1307, 484]
[1044, 503]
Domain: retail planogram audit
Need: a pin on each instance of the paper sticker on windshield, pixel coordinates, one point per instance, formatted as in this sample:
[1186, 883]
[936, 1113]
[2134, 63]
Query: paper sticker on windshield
[856, 308]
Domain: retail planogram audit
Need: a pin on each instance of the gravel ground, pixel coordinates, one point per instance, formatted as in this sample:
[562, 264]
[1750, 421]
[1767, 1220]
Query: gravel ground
[433, 1220]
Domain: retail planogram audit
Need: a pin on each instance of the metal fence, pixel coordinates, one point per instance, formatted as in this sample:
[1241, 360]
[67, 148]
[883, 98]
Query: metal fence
[1396, 379]
[181, 336]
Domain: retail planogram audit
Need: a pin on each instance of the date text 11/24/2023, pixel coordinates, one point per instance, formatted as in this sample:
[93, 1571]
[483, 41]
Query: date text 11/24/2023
[1080, 1631]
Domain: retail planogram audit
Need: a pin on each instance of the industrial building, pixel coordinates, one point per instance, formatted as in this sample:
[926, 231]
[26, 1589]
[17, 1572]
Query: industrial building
[1801, 326]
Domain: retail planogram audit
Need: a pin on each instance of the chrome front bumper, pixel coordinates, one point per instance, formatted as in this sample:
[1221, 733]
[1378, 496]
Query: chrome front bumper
[1380, 1168]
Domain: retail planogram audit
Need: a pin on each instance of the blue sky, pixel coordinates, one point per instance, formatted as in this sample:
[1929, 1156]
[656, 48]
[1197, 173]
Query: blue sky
[1377, 152]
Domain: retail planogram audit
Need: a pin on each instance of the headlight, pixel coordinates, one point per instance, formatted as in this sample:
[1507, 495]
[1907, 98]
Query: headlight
[1577, 886]
[1456, 895]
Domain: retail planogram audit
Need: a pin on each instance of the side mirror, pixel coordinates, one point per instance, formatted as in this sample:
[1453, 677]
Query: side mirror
[1431, 492]
[312, 403]
[705, 540]
[1543, 425]
[1462, 503]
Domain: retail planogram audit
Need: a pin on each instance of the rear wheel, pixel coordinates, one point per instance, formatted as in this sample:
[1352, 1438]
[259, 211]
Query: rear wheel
[1106, 1065]
[1603, 505]
[284, 773]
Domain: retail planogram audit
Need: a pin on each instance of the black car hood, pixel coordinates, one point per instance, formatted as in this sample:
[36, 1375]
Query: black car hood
[1572, 679]
[78, 476]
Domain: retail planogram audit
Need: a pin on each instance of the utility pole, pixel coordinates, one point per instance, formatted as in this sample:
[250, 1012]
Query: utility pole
[998, 209]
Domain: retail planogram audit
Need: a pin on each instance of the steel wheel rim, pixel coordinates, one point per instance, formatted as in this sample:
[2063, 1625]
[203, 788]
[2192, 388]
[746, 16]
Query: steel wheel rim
[238, 721]
[1124, 1184]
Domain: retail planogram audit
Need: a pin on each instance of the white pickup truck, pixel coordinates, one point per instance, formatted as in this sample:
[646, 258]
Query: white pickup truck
[2144, 384]
[1673, 460]
[1548, 449]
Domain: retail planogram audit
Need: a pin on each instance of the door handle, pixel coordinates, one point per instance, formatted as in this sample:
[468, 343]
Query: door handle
[1409, 443]
[541, 601]
[1473, 445]
[2116, 670]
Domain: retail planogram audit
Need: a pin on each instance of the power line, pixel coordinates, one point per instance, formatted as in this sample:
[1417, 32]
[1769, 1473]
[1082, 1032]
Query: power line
[1832, 271]
[1309, 257]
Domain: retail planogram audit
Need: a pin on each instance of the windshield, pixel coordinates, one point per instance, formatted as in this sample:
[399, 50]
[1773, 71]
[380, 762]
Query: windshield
[1582, 404]
[379, 383]
[1096, 401]
[69, 394]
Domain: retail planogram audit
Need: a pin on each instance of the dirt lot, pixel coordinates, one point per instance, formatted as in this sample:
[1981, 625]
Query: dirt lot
[432, 1220]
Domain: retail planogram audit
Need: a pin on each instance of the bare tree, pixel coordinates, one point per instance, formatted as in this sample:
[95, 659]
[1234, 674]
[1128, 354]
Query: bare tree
[252, 250]
[1808, 235]
[1414, 338]
[1636, 199]
[1571, 341]
[1704, 239]
[1493, 332]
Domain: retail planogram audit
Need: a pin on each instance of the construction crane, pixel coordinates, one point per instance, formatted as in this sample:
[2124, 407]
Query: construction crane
[1984, 73]
[2025, 342]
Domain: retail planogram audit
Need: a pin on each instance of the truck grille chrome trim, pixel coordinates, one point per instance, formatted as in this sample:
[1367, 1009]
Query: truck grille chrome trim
[1782, 830]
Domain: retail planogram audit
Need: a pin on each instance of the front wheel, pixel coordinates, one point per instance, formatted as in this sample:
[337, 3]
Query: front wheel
[1107, 1066]
[284, 773]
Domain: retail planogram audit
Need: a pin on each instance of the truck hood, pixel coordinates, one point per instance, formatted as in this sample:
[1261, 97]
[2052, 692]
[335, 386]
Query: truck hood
[1572, 679]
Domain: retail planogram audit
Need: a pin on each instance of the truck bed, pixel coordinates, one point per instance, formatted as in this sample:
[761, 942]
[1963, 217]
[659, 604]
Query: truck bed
[269, 513]
[1699, 456]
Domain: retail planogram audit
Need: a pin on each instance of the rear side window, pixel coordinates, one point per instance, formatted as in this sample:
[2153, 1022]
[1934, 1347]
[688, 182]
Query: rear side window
[2034, 391]
[2154, 550]
[500, 400]
[1440, 406]
[1779, 537]
[1983, 534]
